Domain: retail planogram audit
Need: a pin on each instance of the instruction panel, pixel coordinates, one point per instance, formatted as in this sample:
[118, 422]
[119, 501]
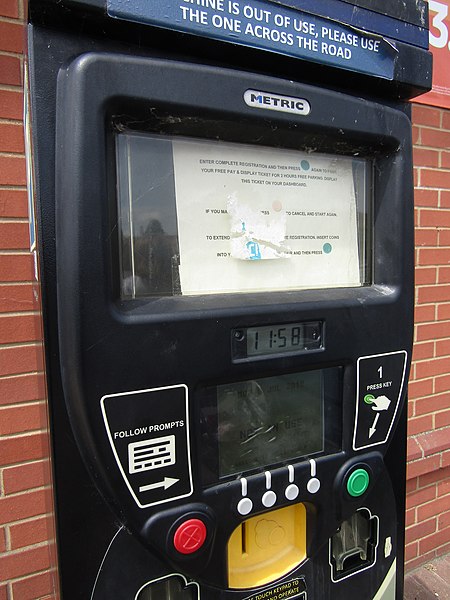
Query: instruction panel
[254, 218]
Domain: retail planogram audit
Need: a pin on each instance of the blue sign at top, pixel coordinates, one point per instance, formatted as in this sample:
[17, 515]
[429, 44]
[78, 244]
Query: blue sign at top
[265, 25]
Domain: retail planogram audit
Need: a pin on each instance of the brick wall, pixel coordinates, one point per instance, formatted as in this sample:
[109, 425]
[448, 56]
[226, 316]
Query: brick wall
[428, 499]
[25, 494]
[26, 558]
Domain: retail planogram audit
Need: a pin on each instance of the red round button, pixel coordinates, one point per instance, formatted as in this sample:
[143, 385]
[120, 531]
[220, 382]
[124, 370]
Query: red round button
[190, 536]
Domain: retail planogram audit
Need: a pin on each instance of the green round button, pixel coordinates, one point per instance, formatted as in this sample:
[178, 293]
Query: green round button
[358, 482]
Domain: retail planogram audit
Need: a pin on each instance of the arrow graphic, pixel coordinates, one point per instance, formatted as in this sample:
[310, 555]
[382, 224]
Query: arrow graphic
[167, 483]
[374, 425]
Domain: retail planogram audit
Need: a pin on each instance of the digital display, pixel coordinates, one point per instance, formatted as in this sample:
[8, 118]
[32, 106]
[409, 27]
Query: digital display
[287, 338]
[269, 420]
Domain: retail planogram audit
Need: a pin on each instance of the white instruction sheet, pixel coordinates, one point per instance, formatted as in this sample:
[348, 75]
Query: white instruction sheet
[255, 218]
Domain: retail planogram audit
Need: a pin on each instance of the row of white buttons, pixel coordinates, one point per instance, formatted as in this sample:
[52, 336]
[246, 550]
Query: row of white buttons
[245, 505]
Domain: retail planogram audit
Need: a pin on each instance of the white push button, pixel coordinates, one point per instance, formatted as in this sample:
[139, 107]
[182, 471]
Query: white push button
[291, 492]
[313, 485]
[269, 498]
[244, 506]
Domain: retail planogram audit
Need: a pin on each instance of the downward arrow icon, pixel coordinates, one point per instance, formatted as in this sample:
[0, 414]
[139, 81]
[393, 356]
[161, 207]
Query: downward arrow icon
[374, 425]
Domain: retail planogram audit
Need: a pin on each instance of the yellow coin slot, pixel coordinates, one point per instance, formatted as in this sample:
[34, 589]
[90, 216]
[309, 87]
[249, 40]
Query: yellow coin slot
[264, 548]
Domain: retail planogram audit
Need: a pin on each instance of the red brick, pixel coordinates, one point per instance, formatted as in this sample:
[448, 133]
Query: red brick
[445, 462]
[410, 516]
[416, 177]
[443, 312]
[423, 351]
[434, 218]
[2, 540]
[423, 465]
[444, 272]
[414, 451]
[425, 115]
[442, 384]
[3, 590]
[433, 331]
[445, 549]
[445, 160]
[435, 138]
[9, 8]
[445, 199]
[435, 540]
[11, 136]
[18, 564]
[34, 587]
[21, 359]
[415, 426]
[438, 366]
[23, 448]
[21, 298]
[445, 119]
[416, 134]
[417, 389]
[434, 441]
[11, 104]
[16, 267]
[433, 477]
[425, 158]
[12, 170]
[420, 530]
[31, 417]
[24, 506]
[33, 532]
[24, 388]
[442, 419]
[14, 236]
[434, 256]
[10, 70]
[424, 313]
[444, 520]
[411, 551]
[444, 486]
[426, 237]
[432, 509]
[435, 178]
[23, 328]
[410, 408]
[26, 477]
[421, 496]
[443, 347]
[433, 293]
[14, 203]
[443, 239]
[411, 486]
[12, 37]
[425, 275]
[426, 197]
[431, 404]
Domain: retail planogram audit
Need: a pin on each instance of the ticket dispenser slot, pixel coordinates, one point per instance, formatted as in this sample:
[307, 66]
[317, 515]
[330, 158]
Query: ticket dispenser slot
[232, 281]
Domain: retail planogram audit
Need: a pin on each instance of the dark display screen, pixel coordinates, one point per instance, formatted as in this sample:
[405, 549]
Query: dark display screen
[268, 420]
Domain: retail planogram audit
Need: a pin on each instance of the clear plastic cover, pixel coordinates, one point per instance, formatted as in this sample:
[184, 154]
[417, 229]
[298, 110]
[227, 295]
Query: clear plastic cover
[204, 217]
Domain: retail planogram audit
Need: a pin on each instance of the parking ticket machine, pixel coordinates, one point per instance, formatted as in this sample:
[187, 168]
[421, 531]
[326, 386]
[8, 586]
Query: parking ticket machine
[224, 193]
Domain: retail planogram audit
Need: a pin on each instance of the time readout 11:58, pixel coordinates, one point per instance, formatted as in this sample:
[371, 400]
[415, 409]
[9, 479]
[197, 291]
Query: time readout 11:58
[290, 337]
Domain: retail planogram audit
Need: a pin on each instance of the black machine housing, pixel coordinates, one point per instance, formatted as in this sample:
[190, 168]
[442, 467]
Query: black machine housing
[114, 363]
